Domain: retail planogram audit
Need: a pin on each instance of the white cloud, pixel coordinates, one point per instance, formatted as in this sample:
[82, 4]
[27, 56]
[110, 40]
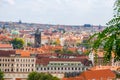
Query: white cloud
[58, 11]
[11, 2]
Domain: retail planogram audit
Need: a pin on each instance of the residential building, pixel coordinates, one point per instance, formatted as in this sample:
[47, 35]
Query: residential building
[17, 64]
[55, 65]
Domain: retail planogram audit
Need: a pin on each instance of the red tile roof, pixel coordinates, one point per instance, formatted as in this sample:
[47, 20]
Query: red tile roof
[98, 74]
[23, 53]
[5, 46]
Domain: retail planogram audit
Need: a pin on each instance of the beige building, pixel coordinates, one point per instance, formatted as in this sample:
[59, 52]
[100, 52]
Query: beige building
[16, 65]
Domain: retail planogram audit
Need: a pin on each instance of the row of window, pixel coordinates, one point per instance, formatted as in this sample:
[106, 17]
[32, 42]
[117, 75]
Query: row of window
[18, 70]
[25, 65]
[6, 65]
[18, 65]
[68, 64]
[17, 60]
[24, 70]
[6, 60]
[7, 70]
[25, 60]
[59, 68]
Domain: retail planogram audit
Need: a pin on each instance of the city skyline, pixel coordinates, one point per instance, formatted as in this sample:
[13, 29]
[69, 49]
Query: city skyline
[68, 12]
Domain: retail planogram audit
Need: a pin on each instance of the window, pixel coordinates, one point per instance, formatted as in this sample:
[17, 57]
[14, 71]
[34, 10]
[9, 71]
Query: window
[41, 68]
[68, 68]
[65, 68]
[5, 70]
[12, 59]
[75, 68]
[37, 68]
[21, 70]
[32, 65]
[61, 63]
[72, 68]
[16, 70]
[11, 64]
[12, 70]
[44, 68]
[32, 60]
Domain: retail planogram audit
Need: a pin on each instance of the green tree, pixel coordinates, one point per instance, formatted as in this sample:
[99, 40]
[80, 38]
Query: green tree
[17, 43]
[41, 76]
[33, 76]
[29, 44]
[109, 38]
[1, 75]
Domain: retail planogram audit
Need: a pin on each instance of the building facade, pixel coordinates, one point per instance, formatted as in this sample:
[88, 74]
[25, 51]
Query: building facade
[62, 65]
[15, 65]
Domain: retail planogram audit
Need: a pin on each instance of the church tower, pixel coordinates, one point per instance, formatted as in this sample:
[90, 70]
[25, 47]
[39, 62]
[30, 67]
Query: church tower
[38, 38]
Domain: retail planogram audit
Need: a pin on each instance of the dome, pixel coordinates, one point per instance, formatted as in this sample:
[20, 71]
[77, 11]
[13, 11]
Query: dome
[15, 32]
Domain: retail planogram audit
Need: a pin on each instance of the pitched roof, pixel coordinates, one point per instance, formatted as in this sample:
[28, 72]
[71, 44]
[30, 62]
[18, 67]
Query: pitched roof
[24, 53]
[7, 53]
[5, 46]
[46, 60]
[98, 74]
[113, 68]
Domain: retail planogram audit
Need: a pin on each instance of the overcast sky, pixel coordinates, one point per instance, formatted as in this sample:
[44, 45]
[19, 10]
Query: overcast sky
[75, 12]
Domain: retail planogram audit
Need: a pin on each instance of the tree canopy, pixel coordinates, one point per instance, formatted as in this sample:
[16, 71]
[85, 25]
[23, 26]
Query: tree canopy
[1, 75]
[109, 38]
[41, 76]
[17, 43]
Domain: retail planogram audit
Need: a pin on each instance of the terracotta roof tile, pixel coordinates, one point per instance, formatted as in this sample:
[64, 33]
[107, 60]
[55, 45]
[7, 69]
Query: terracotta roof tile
[23, 53]
[5, 46]
[98, 74]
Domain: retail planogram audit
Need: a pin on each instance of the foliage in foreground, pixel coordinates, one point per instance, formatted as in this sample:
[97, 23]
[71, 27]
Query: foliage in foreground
[109, 38]
[1, 75]
[41, 76]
